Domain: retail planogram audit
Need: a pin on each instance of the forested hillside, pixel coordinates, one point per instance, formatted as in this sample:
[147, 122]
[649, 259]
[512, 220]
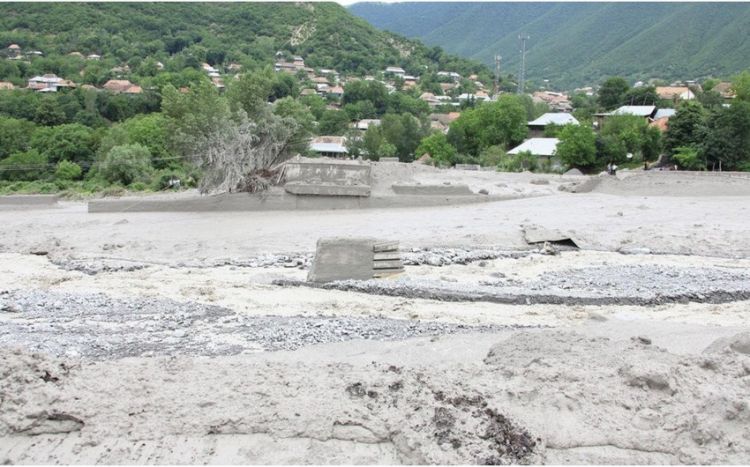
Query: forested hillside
[186, 34]
[579, 43]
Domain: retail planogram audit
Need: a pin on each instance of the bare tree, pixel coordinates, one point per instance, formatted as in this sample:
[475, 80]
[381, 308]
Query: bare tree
[238, 154]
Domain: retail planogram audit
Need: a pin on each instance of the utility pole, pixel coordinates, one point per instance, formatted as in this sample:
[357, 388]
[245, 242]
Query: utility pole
[497, 74]
[522, 75]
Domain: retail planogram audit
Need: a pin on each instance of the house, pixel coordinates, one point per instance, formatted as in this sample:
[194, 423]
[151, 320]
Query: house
[76, 54]
[218, 82]
[329, 146]
[430, 98]
[725, 90]
[537, 127]
[322, 88]
[449, 74]
[298, 61]
[661, 119]
[445, 87]
[479, 96]
[14, 50]
[6, 86]
[442, 122]
[307, 92]
[674, 93]
[285, 67]
[336, 91]
[555, 100]
[48, 81]
[366, 123]
[645, 111]
[93, 57]
[396, 71]
[122, 86]
[320, 80]
[542, 148]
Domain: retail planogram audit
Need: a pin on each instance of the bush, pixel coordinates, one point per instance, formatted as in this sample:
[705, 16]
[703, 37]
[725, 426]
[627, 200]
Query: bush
[492, 156]
[67, 170]
[126, 164]
[29, 165]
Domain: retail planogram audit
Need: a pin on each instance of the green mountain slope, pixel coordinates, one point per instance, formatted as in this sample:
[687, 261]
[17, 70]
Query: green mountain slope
[325, 34]
[579, 43]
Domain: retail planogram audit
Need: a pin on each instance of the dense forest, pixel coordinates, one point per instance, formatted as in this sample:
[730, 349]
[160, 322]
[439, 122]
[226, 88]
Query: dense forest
[579, 44]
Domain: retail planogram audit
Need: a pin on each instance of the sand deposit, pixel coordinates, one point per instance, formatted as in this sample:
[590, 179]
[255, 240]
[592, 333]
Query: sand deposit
[187, 338]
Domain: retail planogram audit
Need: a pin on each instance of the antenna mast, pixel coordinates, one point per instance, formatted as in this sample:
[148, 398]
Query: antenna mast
[522, 75]
[497, 74]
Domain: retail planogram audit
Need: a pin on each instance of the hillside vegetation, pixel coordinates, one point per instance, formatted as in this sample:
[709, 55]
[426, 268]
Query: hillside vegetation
[183, 34]
[579, 43]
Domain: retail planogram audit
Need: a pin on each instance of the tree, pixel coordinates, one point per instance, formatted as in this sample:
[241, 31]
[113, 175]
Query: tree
[194, 116]
[252, 91]
[687, 127]
[612, 92]
[727, 141]
[66, 170]
[15, 135]
[237, 156]
[630, 134]
[20, 166]
[439, 149]
[688, 157]
[741, 86]
[333, 122]
[72, 142]
[126, 164]
[364, 90]
[151, 132]
[305, 121]
[404, 132]
[643, 95]
[48, 113]
[494, 123]
[577, 146]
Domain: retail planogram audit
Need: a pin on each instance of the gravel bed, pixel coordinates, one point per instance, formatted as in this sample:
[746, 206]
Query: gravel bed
[638, 284]
[413, 257]
[97, 326]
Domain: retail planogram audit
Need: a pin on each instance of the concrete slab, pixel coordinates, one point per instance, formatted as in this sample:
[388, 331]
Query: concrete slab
[28, 200]
[432, 190]
[302, 188]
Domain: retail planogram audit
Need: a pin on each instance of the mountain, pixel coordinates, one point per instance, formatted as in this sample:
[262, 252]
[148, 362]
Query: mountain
[325, 34]
[580, 43]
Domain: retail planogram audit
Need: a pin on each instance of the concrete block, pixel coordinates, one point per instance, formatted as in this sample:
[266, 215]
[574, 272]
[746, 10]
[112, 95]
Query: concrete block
[341, 259]
[354, 258]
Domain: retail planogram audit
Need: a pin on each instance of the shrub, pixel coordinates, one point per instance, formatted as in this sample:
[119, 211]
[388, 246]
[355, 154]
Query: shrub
[67, 170]
[126, 164]
[29, 165]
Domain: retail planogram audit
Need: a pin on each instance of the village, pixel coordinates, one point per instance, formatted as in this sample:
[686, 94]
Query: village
[445, 107]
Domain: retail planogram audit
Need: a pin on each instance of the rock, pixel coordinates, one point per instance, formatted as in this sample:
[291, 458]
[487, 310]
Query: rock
[539, 181]
[573, 172]
[643, 340]
[433, 260]
[548, 249]
[739, 343]
[634, 251]
[484, 191]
